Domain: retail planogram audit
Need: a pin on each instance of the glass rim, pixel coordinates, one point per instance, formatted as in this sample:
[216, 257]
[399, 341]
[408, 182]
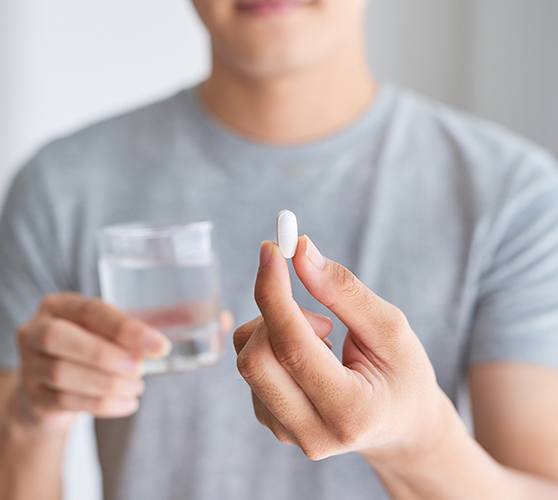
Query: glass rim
[150, 230]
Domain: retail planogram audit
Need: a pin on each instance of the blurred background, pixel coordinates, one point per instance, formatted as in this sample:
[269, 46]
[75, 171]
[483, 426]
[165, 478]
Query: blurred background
[64, 64]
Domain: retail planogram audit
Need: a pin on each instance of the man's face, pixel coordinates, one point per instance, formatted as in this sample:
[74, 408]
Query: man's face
[267, 38]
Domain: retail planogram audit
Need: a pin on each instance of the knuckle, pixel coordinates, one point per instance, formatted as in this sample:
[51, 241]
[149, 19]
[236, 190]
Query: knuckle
[347, 434]
[264, 297]
[348, 284]
[290, 354]
[97, 356]
[248, 327]
[56, 373]
[262, 414]
[282, 437]
[29, 385]
[281, 434]
[313, 451]
[22, 333]
[123, 329]
[49, 338]
[48, 302]
[239, 337]
[248, 366]
[239, 332]
[398, 322]
[89, 310]
[261, 418]
[61, 399]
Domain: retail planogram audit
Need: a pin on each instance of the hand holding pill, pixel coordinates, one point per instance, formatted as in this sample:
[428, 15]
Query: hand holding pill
[367, 402]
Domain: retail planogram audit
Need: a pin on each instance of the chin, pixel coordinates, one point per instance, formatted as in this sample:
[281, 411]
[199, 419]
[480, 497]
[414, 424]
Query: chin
[268, 38]
[275, 56]
[275, 63]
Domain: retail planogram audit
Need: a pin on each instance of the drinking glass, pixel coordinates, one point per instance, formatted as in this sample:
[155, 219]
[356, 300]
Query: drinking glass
[168, 277]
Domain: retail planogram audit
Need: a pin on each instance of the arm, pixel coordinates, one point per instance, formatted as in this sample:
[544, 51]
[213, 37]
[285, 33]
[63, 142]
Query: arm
[514, 409]
[382, 401]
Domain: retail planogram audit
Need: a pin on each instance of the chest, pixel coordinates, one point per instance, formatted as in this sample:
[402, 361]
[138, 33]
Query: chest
[403, 254]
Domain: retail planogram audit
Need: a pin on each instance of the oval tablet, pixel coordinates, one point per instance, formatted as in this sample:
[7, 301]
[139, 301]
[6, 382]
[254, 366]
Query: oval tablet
[287, 233]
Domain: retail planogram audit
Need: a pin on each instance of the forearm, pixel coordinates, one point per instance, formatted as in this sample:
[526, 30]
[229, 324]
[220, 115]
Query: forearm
[30, 459]
[459, 468]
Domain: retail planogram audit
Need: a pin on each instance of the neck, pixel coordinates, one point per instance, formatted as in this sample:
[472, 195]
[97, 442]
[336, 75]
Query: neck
[295, 108]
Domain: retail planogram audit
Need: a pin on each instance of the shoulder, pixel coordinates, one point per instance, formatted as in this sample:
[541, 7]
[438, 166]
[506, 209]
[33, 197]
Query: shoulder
[482, 160]
[115, 141]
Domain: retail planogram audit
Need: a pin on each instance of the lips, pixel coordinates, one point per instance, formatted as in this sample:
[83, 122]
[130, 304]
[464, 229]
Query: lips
[269, 6]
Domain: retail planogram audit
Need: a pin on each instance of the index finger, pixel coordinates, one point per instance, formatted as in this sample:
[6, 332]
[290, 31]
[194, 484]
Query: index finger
[106, 320]
[328, 384]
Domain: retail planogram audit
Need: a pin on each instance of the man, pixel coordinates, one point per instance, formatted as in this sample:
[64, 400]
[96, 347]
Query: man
[452, 221]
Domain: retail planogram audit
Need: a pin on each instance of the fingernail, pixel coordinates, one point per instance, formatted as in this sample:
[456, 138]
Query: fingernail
[129, 365]
[132, 386]
[266, 249]
[314, 255]
[127, 405]
[156, 343]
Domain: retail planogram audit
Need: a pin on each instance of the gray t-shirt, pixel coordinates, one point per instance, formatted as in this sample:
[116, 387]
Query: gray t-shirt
[450, 218]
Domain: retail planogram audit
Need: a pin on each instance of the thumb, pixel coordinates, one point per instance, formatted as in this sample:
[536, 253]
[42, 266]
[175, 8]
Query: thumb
[365, 314]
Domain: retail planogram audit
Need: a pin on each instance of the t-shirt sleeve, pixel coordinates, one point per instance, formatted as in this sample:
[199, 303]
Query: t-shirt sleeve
[29, 267]
[516, 316]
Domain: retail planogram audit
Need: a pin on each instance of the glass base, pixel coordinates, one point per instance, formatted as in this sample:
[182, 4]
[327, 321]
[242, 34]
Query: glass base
[192, 348]
[180, 363]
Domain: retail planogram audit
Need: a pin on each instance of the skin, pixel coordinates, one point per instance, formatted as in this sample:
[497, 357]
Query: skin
[381, 400]
[271, 75]
[77, 355]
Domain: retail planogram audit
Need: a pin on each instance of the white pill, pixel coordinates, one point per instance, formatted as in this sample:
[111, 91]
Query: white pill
[287, 233]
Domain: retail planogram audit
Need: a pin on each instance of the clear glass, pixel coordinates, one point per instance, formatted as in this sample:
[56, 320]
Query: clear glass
[168, 277]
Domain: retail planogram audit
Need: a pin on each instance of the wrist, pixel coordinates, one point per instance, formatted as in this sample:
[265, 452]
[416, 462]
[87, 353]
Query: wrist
[443, 431]
[445, 463]
[21, 422]
[30, 454]
[424, 436]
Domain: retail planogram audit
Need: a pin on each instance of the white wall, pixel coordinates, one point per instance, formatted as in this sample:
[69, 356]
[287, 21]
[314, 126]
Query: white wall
[64, 63]
[420, 44]
[513, 65]
[495, 58]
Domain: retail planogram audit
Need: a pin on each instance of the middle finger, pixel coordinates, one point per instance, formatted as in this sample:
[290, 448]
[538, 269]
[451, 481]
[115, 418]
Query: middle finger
[279, 393]
[80, 379]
